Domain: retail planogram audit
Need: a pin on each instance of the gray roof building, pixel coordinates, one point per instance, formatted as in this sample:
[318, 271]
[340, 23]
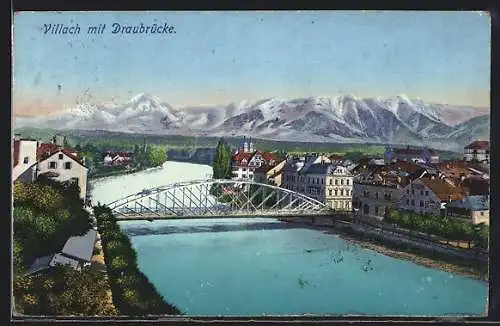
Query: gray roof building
[76, 252]
[81, 247]
[473, 203]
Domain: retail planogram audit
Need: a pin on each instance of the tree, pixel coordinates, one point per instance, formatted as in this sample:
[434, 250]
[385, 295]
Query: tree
[17, 256]
[222, 161]
[481, 239]
[63, 291]
[156, 155]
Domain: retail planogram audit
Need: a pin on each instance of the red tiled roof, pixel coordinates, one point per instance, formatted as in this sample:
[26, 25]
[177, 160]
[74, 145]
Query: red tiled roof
[269, 156]
[408, 167]
[238, 157]
[479, 144]
[122, 154]
[16, 152]
[443, 190]
[49, 149]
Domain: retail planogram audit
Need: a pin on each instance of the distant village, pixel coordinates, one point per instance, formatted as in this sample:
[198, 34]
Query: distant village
[411, 179]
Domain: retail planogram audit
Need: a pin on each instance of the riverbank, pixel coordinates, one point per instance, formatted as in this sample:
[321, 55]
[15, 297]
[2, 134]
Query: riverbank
[132, 292]
[404, 251]
[115, 173]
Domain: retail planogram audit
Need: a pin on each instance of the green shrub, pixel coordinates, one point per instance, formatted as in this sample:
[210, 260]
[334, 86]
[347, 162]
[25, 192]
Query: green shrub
[133, 294]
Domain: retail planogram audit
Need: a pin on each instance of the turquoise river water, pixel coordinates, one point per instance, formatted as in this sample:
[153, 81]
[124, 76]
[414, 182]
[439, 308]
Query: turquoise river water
[262, 266]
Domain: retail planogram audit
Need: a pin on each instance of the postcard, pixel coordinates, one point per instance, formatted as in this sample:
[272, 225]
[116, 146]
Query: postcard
[250, 163]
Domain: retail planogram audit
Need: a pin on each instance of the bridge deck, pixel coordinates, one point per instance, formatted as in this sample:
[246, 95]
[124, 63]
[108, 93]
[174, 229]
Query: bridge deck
[132, 217]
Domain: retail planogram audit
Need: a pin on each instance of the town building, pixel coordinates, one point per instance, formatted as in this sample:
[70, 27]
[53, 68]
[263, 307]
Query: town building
[429, 196]
[418, 155]
[77, 253]
[477, 186]
[63, 166]
[318, 178]
[378, 188]
[478, 150]
[24, 158]
[475, 209]
[32, 158]
[456, 172]
[246, 160]
[269, 174]
[116, 158]
[293, 178]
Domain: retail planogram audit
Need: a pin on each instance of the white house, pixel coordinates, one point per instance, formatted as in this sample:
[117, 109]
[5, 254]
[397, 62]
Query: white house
[108, 160]
[24, 157]
[64, 166]
[478, 151]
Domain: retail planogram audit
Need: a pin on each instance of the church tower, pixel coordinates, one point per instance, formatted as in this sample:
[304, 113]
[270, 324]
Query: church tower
[245, 145]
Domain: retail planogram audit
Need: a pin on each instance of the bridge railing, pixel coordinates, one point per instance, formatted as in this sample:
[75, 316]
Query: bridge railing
[226, 198]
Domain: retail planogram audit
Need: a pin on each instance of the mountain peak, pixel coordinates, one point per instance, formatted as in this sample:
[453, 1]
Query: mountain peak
[144, 97]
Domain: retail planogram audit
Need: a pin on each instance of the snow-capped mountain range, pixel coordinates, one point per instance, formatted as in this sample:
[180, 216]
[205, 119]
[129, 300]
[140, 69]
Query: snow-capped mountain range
[340, 118]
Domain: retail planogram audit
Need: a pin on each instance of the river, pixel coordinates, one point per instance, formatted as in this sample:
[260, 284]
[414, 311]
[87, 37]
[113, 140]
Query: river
[261, 266]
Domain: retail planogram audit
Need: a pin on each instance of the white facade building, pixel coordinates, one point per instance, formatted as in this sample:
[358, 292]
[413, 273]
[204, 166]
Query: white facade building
[478, 151]
[65, 167]
[24, 156]
[329, 183]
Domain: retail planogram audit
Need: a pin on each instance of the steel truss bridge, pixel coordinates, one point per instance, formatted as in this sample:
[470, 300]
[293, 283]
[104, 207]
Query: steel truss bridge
[216, 198]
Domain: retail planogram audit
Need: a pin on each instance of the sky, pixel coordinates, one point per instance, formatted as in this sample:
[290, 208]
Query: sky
[216, 58]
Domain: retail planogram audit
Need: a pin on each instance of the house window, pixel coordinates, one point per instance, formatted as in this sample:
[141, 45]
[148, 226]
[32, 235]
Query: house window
[321, 181]
[376, 195]
[482, 213]
[317, 181]
[67, 165]
[342, 181]
[74, 180]
[331, 182]
[407, 202]
[421, 203]
[413, 192]
[26, 160]
[413, 202]
[330, 192]
[376, 210]
[427, 192]
[52, 165]
[336, 182]
[347, 182]
[407, 191]
[421, 192]
[342, 192]
[336, 192]
[61, 156]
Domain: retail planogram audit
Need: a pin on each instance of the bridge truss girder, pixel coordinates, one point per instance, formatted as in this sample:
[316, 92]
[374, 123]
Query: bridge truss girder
[218, 197]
